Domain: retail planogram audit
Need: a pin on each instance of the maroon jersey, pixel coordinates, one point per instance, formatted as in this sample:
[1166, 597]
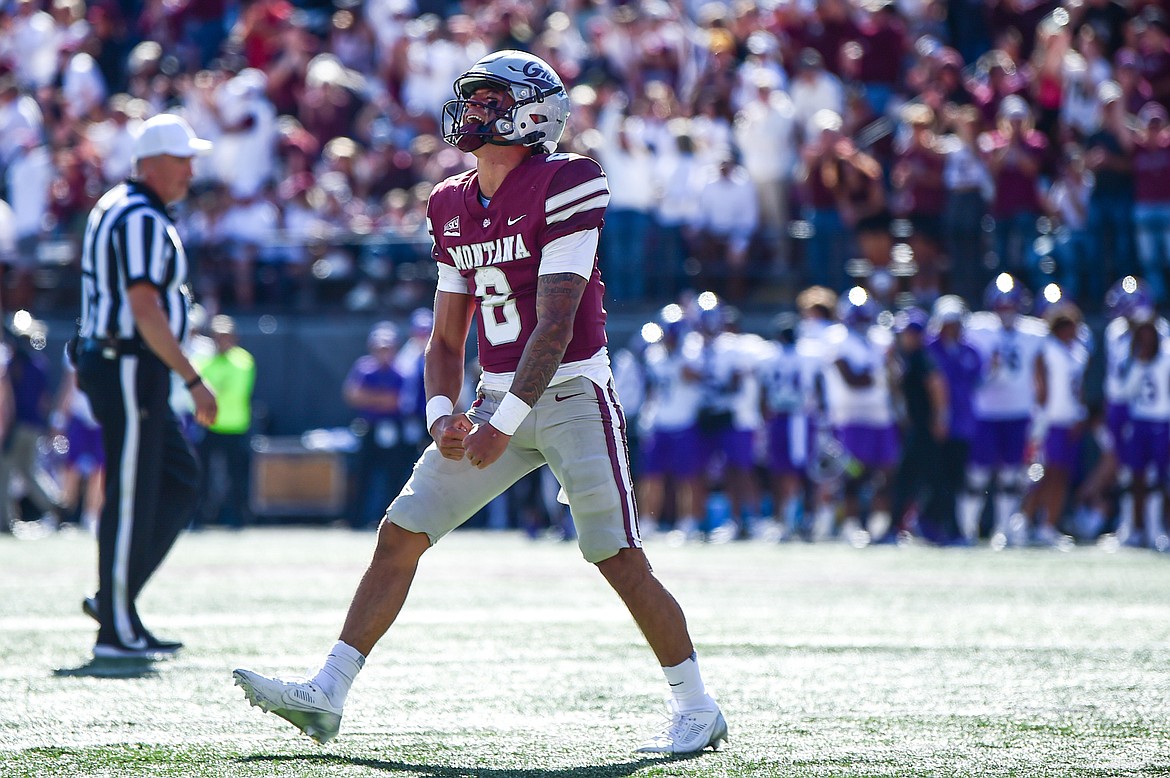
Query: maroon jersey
[498, 249]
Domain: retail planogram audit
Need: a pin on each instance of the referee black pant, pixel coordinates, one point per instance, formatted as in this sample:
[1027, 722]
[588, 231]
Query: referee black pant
[151, 480]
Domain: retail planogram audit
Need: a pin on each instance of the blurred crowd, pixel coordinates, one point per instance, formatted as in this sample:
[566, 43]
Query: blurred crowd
[753, 148]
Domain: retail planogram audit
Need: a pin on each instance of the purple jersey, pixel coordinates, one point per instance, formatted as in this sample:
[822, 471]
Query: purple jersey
[497, 249]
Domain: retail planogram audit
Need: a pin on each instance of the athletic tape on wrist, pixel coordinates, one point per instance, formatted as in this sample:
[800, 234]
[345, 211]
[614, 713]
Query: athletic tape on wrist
[437, 407]
[511, 412]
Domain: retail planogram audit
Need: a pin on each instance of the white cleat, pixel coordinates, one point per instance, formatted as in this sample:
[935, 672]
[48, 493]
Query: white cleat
[301, 703]
[688, 732]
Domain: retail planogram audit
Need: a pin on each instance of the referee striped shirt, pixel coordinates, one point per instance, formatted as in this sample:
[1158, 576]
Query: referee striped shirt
[130, 239]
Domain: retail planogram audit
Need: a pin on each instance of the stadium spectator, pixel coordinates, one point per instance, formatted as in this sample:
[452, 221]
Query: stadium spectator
[1110, 211]
[827, 243]
[1067, 204]
[1014, 154]
[725, 223]
[627, 159]
[969, 186]
[1150, 144]
[765, 134]
[919, 195]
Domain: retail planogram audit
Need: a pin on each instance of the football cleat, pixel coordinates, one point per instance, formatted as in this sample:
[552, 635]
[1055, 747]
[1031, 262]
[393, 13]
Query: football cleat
[688, 732]
[301, 703]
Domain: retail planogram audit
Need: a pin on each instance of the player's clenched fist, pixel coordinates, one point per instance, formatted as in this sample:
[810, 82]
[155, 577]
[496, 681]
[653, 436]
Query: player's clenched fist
[449, 433]
[485, 445]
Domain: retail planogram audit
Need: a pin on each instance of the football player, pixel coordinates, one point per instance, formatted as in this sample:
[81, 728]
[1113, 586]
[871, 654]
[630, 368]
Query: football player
[1008, 343]
[1145, 453]
[860, 407]
[515, 240]
[668, 422]
[1124, 298]
[788, 400]
[1060, 373]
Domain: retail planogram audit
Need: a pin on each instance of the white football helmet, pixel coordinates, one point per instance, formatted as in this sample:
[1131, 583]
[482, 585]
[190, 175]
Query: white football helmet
[536, 117]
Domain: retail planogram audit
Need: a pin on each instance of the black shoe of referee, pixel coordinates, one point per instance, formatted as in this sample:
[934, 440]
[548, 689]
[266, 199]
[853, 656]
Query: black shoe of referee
[155, 645]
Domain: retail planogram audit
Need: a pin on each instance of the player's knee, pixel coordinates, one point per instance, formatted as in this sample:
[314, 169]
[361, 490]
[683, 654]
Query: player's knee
[399, 546]
[626, 569]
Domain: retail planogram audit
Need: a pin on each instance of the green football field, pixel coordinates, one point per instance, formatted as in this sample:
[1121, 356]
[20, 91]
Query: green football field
[512, 659]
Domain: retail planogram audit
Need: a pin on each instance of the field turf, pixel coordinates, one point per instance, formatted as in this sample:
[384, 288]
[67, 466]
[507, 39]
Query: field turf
[513, 659]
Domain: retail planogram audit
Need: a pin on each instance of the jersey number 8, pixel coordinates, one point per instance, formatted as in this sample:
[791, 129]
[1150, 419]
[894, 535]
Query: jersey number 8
[501, 317]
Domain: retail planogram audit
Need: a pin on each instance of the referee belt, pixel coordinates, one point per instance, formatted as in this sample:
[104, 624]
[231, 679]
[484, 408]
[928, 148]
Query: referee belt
[111, 348]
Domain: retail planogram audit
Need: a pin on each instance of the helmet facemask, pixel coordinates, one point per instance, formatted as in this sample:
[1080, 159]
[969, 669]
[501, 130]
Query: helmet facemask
[537, 113]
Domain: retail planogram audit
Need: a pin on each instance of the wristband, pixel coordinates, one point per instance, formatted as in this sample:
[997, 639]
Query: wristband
[437, 407]
[198, 379]
[509, 414]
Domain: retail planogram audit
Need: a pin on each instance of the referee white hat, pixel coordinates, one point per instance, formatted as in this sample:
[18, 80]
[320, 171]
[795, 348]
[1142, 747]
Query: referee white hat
[168, 134]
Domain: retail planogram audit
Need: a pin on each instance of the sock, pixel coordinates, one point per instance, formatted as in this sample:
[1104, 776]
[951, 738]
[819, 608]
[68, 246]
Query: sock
[337, 674]
[686, 685]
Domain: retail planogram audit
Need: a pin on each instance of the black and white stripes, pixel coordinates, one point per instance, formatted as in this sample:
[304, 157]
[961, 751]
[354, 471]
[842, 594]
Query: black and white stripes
[130, 239]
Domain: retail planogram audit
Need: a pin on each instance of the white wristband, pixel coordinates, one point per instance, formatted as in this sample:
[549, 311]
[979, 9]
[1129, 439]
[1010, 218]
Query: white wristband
[437, 407]
[510, 413]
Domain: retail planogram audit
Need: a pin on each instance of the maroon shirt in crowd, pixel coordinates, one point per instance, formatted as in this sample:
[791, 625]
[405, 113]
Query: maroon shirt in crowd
[924, 193]
[1151, 169]
[1016, 189]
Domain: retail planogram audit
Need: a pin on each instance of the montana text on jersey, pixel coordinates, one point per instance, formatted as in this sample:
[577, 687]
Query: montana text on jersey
[497, 249]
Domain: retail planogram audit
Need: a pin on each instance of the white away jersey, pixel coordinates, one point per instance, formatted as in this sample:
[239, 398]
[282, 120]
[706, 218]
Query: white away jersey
[788, 379]
[1008, 389]
[1146, 386]
[872, 405]
[1064, 367]
[672, 398]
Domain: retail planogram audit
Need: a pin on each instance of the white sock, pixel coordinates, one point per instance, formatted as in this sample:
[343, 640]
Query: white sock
[686, 685]
[337, 674]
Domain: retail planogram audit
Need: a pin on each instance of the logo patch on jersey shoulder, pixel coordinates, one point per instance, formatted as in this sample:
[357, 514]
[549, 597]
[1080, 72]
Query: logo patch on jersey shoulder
[451, 228]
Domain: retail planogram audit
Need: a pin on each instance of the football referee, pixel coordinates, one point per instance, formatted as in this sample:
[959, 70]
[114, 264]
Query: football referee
[133, 319]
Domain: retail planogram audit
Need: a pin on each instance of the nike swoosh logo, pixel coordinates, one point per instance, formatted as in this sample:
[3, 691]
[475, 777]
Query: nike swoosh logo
[518, 218]
[680, 683]
[560, 399]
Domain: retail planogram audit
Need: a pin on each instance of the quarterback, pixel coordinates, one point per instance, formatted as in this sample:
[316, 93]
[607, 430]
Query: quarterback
[515, 240]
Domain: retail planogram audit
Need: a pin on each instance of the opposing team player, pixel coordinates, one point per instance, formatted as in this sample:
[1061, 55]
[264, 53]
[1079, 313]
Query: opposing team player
[788, 378]
[1008, 343]
[671, 448]
[1060, 376]
[729, 417]
[1128, 296]
[1145, 450]
[860, 407]
[516, 243]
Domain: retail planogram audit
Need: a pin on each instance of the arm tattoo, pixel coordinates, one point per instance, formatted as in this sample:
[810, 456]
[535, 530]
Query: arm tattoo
[557, 297]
